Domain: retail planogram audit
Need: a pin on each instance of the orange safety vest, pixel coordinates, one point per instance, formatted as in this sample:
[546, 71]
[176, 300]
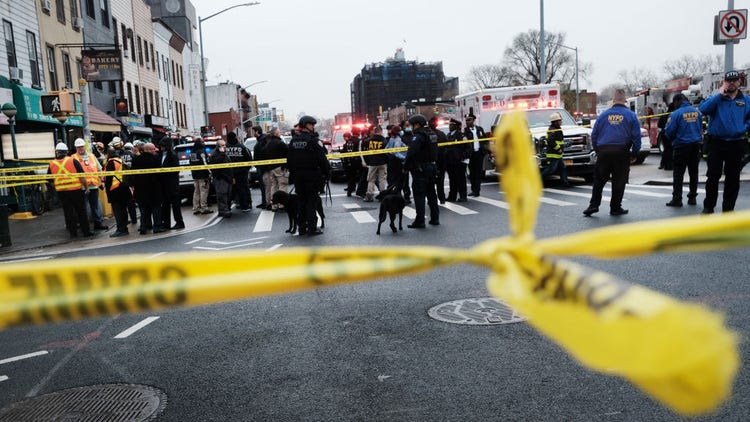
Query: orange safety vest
[116, 179]
[91, 167]
[65, 166]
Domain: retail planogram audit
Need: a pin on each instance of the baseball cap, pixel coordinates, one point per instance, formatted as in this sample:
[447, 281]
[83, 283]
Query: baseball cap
[732, 75]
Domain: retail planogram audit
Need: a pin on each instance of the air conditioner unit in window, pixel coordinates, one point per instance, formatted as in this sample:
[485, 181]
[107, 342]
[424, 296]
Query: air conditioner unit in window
[16, 74]
[77, 22]
[46, 5]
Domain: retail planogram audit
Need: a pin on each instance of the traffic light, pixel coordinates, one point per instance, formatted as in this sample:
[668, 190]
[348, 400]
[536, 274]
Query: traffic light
[437, 110]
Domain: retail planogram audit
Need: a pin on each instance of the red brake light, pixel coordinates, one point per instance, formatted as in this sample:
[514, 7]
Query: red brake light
[486, 97]
[552, 92]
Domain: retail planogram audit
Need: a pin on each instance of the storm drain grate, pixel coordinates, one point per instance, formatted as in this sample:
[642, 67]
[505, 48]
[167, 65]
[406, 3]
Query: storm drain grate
[96, 403]
[476, 311]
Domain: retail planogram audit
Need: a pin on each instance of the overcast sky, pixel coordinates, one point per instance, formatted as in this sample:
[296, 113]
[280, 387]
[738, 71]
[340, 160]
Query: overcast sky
[310, 50]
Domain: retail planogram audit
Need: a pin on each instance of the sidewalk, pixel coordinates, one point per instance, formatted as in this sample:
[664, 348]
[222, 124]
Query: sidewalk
[47, 234]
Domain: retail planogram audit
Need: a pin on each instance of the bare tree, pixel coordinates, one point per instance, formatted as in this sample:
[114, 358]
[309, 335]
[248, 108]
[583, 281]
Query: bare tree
[523, 61]
[488, 76]
[636, 79]
[692, 66]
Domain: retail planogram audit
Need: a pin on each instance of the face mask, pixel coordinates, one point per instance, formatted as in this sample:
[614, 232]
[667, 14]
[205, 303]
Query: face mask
[401, 133]
[408, 129]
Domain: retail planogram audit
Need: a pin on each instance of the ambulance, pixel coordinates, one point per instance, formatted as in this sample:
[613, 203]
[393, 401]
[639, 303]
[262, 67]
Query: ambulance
[538, 102]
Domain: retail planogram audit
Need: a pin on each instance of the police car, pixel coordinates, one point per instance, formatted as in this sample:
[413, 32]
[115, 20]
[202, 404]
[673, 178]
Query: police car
[183, 152]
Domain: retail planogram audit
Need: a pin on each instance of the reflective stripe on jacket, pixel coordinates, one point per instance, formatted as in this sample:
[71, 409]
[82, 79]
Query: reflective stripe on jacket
[92, 166]
[65, 166]
[117, 178]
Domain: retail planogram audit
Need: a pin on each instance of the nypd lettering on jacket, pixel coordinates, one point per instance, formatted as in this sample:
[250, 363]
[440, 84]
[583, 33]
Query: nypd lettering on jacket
[238, 153]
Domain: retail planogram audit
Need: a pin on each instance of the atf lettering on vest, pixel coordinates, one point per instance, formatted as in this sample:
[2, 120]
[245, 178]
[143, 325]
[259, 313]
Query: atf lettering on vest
[65, 166]
[615, 119]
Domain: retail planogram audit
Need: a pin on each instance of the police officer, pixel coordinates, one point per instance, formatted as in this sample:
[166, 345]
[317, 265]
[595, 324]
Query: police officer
[352, 165]
[307, 165]
[456, 157]
[70, 189]
[616, 131]
[554, 150]
[241, 190]
[126, 155]
[440, 162]
[420, 160]
[729, 119]
[684, 131]
[479, 149]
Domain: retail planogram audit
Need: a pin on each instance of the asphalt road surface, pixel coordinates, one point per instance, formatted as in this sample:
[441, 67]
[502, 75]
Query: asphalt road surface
[370, 351]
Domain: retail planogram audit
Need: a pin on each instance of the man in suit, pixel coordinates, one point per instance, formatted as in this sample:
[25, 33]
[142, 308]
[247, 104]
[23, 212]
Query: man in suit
[147, 189]
[478, 150]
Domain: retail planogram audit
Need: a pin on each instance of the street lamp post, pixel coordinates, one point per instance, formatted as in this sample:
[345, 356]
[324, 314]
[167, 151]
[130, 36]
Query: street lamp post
[578, 104]
[203, 65]
[10, 110]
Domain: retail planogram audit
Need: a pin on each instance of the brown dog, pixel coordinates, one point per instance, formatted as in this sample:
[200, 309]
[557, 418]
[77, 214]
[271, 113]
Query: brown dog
[290, 201]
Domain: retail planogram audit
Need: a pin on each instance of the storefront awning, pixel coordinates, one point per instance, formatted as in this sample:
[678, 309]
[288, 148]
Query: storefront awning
[99, 121]
[140, 130]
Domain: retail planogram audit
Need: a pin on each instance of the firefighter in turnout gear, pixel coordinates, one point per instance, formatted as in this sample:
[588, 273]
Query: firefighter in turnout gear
[554, 150]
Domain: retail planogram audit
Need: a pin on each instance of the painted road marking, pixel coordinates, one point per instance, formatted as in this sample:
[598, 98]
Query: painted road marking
[274, 247]
[136, 327]
[209, 248]
[3, 378]
[22, 357]
[157, 254]
[219, 242]
[410, 212]
[458, 208]
[493, 202]
[351, 206]
[363, 217]
[194, 241]
[264, 222]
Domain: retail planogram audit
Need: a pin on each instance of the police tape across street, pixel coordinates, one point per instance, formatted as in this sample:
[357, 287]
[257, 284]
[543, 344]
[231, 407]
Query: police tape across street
[682, 354]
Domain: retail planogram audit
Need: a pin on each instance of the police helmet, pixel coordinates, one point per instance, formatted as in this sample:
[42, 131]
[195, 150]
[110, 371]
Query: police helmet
[61, 147]
[418, 119]
[555, 117]
[307, 119]
[79, 143]
[128, 145]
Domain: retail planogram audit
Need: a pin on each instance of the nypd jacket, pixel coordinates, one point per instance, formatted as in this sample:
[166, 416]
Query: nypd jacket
[684, 125]
[617, 127]
[729, 119]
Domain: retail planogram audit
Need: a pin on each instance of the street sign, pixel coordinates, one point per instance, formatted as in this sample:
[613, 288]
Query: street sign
[732, 25]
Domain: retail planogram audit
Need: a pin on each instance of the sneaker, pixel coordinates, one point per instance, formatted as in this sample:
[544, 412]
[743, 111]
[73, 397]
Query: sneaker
[674, 203]
[590, 210]
[618, 211]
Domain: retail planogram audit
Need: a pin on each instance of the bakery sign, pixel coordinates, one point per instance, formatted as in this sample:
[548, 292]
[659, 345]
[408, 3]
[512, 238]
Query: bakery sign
[101, 65]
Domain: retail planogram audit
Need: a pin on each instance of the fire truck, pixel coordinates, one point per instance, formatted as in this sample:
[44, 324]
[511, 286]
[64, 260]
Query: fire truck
[538, 102]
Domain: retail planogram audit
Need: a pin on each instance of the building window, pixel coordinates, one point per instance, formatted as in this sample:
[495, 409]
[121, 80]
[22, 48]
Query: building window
[179, 75]
[151, 101]
[124, 33]
[130, 96]
[116, 33]
[52, 69]
[137, 99]
[105, 12]
[153, 58]
[158, 65]
[145, 53]
[33, 59]
[112, 87]
[140, 51]
[67, 72]
[132, 46]
[10, 44]
[166, 69]
[73, 9]
[174, 74]
[60, 6]
[91, 9]
[145, 101]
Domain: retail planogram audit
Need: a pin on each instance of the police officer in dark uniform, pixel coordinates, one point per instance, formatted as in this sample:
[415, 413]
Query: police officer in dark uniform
[728, 114]
[456, 156]
[307, 165]
[238, 154]
[420, 161]
[440, 162]
[616, 131]
[352, 165]
[684, 131]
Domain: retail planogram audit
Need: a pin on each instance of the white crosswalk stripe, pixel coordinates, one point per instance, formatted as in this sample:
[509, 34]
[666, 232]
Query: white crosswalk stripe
[264, 222]
[493, 202]
[631, 191]
[363, 217]
[458, 209]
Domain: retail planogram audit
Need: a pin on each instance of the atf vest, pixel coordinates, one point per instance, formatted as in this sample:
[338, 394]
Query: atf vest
[117, 178]
[91, 167]
[65, 166]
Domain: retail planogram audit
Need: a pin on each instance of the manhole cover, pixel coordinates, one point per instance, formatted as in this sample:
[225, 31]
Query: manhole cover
[476, 311]
[110, 403]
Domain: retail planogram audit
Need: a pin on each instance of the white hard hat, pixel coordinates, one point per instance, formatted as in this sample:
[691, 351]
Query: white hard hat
[79, 143]
[116, 141]
[555, 117]
[128, 145]
[61, 147]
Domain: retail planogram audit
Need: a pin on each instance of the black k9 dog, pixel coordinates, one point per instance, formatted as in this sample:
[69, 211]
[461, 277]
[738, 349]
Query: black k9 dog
[391, 204]
[290, 201]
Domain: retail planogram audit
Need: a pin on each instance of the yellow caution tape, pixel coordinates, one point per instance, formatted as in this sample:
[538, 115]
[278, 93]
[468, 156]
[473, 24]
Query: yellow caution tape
[680, 353]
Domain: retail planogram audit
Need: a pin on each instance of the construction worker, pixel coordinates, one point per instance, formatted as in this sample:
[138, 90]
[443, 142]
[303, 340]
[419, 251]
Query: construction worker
[91, 165]
[70, 189]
